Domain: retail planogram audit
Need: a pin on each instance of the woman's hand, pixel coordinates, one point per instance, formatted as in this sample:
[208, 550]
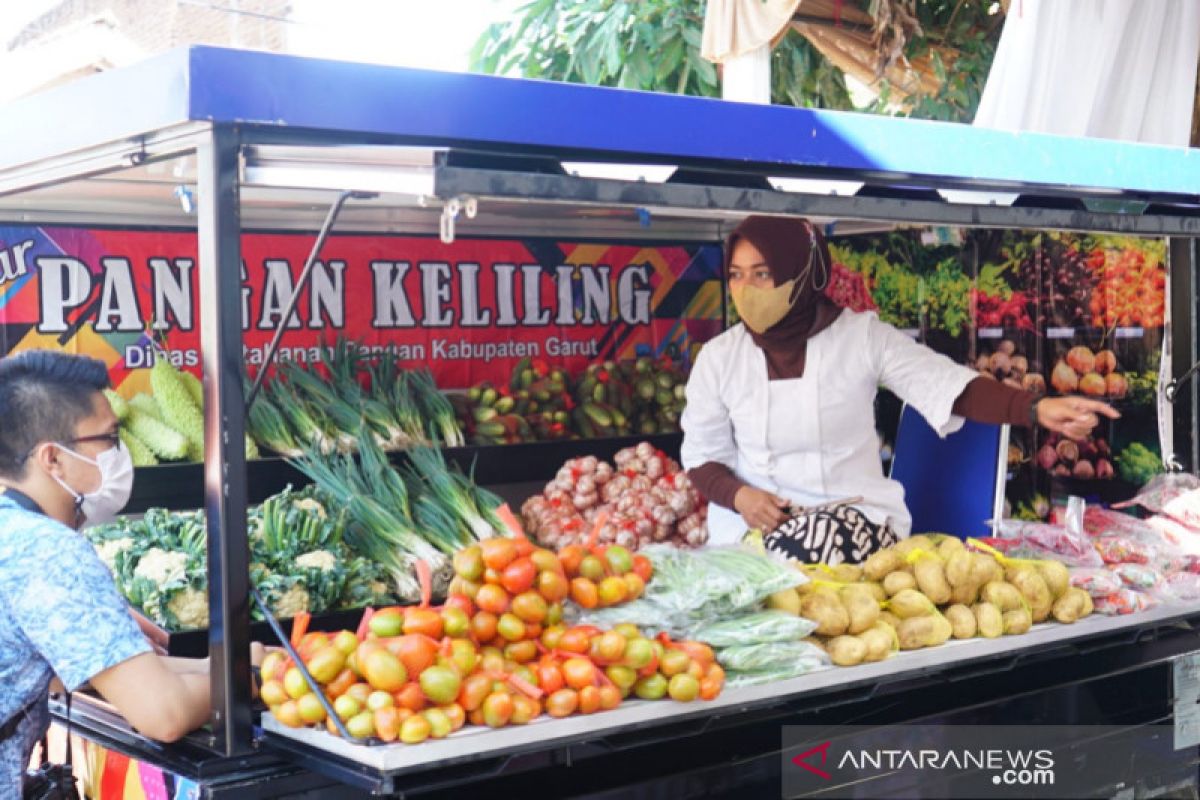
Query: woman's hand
[760, 509]
[1073, 417]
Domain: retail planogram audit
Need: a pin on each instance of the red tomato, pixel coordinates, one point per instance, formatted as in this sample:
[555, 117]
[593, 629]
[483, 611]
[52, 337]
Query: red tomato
[518, 576]
[483, 626]
[579, 672]
[474, 689]
[425, 621]
[550, 678]
[575, 640]
[498, 553]
[461, 601]
[569, 557]
[492, 598]
[589, 700]
[643, 568]
[562, 703]
[585, 593]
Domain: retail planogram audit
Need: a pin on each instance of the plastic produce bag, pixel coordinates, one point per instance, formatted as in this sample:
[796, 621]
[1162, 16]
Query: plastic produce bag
[1138, 576]
[1162, 490]
[1096, 582]
[769, 656]
[1040, 540]
[1179, 536]
[1124, 601]
[750, 629]
[715, 583]
[1101, 521]
[693, 589]
[1181, 587]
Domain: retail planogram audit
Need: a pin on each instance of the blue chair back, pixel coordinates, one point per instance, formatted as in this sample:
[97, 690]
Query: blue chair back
[952, 485]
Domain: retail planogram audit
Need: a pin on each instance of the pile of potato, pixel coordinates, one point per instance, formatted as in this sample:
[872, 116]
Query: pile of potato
[923, 591]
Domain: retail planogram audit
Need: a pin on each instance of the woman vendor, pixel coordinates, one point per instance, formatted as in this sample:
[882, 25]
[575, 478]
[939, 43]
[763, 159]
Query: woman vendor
[780, 409]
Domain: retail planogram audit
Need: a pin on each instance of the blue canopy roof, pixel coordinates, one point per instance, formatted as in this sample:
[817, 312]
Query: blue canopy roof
[350, 102]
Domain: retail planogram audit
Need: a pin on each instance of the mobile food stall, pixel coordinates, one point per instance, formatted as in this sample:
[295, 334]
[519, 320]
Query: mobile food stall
[208, 168]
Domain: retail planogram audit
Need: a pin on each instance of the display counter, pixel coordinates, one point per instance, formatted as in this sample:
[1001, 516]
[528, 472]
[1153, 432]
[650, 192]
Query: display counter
[270, 142]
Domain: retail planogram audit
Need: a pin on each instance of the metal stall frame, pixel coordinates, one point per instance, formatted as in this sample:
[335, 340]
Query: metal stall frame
[269, 140]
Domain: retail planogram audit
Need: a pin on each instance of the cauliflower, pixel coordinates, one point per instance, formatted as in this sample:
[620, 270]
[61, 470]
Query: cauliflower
[309, 504]
[108, 551]
[291, 602]
[317, 559]
[190, 608]
[161, 566]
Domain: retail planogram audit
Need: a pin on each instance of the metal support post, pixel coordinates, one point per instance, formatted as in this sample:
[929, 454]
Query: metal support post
[219, 234]
[1185, 351]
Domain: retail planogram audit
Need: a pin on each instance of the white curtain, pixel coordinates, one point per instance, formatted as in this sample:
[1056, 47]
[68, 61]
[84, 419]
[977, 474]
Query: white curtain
[734, 28]
[1115, 69]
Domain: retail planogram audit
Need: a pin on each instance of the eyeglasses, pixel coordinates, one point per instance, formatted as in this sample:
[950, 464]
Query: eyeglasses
[113, 439]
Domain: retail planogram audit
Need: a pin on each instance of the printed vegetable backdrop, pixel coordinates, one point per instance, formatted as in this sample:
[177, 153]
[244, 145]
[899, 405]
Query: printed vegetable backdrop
[1054, 313]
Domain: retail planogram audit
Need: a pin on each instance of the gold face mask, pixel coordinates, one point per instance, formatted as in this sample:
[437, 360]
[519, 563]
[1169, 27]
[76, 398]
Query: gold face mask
[761, 309]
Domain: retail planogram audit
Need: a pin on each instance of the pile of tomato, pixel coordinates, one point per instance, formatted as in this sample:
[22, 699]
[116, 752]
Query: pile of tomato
[496, 653]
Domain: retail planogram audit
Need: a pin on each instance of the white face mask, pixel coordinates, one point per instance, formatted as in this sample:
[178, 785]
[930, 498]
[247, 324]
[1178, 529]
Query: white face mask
[116, 483]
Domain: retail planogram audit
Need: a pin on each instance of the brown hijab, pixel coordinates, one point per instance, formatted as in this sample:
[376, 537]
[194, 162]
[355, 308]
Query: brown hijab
[787, 245]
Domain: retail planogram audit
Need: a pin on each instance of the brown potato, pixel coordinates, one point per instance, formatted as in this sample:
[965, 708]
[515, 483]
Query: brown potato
[910, 603]
[989, 621]
[847, 573]
[942, 630]
[931, 579]
[824, 607]
[861, 605]
[787, 600]
[950, 545]
[898, 581]
[1017, 622]
[1072, 606]
[881, 563]
[847, 651]
[877, 590]
[890, 619]
[915, 632]
[1056, 575]
[1002, 595]
[965, 595]
[1033, 588]
[985, 568]
[962, 620]
[880, 641]
[818, 642]
[918, 542]
[958, 569]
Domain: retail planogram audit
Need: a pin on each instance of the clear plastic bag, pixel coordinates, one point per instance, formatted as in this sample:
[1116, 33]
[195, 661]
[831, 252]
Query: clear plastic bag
[693, 589]
[717, 582]
[1040, 540]
[758, 628]
[1138, 576]
[1180, 587]
[1096, 582]
[1162, 490]
[1123, 549]
[1180, 537]
[1102, 521]
[1124, 601]
[768, 656]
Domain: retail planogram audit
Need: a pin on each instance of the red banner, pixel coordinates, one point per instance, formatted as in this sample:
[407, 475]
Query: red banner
[468, 310]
